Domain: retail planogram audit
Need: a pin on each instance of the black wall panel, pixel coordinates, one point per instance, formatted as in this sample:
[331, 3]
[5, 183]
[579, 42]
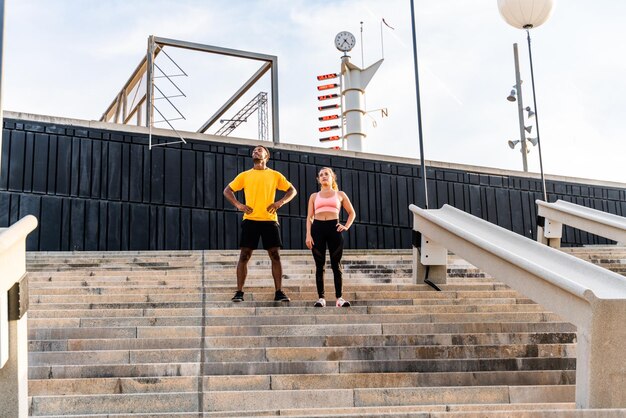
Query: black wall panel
[49, 223]
[16, 168]
[94, 189]
[92, 214]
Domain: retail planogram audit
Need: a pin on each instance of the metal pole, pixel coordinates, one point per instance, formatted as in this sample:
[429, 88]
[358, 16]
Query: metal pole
[532, 78]
[362, 56]
[382, 47]
[150, 89]
[419, 110]
[150, 82]
[419, 135]
[520, 110]
[275, 118]
[1, 53]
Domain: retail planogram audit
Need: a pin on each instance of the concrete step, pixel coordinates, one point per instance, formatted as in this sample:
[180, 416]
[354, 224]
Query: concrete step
[267, 304]
[304, 341]
[251, 400]
[522, 410]
[347, 318]
[274, 354]
[285, 399]
[266, 296]
[535, 410]
[112, 385]
[322, 329]
[399, 290]
[307, 286]
[299, 367]
[118, 403]
[214, 270]
[302, 310]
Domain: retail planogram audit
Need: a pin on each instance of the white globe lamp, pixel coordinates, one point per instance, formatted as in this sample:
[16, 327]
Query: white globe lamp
[525, 14]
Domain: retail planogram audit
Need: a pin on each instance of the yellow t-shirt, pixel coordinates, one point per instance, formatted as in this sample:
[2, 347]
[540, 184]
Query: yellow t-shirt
[259, 188]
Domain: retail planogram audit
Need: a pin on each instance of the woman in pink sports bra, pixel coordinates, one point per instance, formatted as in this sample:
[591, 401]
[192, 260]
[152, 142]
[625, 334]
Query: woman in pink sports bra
[323, 230]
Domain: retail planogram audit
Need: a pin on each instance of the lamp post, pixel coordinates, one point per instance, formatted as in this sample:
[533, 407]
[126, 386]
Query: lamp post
[516, 96]
[528, 14]
[419, 108]
[439, 271]
[520, 111]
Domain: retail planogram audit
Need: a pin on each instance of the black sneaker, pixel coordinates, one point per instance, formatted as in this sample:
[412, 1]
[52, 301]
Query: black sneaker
[280, 296]
[238, 296]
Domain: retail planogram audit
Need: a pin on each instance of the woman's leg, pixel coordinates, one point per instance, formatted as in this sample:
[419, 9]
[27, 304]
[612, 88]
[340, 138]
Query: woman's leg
[335, 248]
[319, 255]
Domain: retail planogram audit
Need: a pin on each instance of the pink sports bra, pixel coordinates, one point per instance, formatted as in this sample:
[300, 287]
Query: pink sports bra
[327, 204]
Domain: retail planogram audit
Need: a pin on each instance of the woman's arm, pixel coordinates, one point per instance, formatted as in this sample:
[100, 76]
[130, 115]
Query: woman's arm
[347, 206]
[309, 221]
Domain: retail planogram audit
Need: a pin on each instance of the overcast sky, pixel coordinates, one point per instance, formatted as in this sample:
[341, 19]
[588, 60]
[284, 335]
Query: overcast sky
[69, 58]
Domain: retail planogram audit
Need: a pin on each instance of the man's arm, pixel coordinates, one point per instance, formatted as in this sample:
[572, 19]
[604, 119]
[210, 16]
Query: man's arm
[230, 196]
[289, 195]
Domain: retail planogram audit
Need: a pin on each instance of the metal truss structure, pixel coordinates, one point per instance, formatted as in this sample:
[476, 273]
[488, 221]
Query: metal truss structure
[259, 103]
[131, 105]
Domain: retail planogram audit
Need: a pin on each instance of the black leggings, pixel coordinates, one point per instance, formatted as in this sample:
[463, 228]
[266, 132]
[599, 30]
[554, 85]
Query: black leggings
[324, 234]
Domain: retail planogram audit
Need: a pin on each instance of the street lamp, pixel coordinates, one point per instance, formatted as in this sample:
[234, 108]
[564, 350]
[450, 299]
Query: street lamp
[516, 96]
[528, 14]
[512, 144]
[517, 91]
[511, 97]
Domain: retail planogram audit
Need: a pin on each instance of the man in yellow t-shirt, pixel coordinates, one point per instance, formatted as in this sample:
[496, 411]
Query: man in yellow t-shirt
[260, 219]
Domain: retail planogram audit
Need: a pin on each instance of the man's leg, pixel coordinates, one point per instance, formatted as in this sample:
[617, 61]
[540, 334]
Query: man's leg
[272, 242]
[242, 267]
[277, 273]
[277, 267]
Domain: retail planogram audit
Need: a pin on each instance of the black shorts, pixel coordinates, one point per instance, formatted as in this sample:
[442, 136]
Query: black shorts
[267, 230]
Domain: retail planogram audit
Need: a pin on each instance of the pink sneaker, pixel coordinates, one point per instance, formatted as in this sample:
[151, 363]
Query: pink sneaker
[342, 303]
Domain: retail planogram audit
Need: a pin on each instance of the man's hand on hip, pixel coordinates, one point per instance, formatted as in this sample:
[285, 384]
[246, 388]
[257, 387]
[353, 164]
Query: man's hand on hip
[245, 208]
[274, 207]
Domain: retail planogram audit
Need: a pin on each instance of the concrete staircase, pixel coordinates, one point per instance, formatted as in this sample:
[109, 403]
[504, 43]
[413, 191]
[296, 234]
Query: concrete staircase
[609, 257]
[154, 334]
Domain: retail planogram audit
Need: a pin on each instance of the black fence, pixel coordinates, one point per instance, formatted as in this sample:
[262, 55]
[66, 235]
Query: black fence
[94, 189]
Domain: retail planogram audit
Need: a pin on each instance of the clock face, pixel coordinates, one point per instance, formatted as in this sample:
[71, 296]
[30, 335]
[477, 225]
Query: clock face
[345, 41]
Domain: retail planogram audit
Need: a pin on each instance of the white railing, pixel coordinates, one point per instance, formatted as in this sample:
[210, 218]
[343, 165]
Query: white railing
[592, 298]
[13, 331]
[591, 220]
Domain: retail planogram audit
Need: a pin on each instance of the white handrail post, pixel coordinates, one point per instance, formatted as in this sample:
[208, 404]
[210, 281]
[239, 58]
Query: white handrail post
[551, 233]
[600, 364]
[13, 318]
[429, 253]
[555, 215]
